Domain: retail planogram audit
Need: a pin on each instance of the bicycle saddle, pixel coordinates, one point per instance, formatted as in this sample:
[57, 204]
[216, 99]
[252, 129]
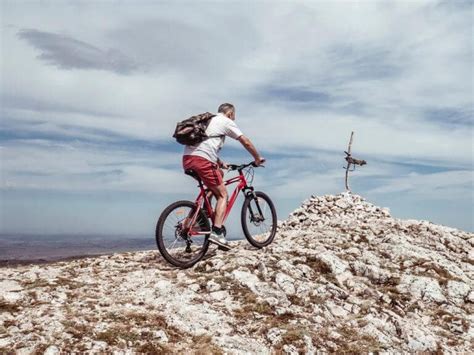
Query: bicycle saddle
[192, 173]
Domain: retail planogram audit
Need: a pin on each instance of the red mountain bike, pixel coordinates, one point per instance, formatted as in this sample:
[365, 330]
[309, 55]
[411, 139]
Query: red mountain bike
[183, 228]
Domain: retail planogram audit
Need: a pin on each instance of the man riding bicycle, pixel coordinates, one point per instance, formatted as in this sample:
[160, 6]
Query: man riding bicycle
[204, 160]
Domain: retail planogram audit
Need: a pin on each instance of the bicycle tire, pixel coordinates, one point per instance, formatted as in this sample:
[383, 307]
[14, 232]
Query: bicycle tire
[203, 222]
[246, 221]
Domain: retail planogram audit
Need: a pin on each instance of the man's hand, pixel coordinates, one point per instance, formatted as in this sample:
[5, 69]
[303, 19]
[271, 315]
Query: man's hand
[223, 165]
[259, 161]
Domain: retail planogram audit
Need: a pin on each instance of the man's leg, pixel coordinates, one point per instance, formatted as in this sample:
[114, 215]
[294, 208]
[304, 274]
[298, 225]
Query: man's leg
[220, 192]
[217, 235]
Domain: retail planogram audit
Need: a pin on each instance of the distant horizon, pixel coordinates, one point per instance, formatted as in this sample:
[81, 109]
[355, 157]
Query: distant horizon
[233, 232]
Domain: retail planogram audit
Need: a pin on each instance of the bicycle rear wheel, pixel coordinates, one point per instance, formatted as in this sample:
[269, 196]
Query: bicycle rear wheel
[259, 219]
[174, 243]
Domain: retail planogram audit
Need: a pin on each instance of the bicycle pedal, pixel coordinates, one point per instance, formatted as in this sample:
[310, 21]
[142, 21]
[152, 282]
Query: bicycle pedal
[227, 248]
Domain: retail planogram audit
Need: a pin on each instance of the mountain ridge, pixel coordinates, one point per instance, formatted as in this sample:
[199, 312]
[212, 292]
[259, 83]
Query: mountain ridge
[341, 275]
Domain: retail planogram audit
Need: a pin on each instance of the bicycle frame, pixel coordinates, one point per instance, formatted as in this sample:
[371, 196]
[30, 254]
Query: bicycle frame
[203, 199]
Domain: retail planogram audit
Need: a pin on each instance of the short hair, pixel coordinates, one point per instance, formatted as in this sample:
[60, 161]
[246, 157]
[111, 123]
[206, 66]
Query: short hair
[224, 108]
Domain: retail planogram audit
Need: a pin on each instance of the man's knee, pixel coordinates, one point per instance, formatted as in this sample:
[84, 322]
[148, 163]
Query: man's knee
[220, 192]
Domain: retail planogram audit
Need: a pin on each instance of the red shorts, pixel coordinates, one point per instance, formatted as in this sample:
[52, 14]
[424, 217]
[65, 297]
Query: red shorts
[208, 171]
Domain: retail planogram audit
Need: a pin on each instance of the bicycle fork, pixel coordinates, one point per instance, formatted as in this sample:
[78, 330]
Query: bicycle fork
[259, 218]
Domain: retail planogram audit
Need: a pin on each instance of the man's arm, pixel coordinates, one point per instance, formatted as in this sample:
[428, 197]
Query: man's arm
[221, 164]
[251, 149]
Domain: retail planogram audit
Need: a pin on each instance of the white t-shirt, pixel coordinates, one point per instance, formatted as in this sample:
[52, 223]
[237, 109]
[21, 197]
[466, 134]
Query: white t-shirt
[220, 125]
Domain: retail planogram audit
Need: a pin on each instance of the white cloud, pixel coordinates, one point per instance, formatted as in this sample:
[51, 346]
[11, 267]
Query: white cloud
[378, 68]
[389, 60]
[81, 167]
[456, 184]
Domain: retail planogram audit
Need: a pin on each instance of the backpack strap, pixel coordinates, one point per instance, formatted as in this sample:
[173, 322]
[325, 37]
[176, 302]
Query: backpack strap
[216, 136]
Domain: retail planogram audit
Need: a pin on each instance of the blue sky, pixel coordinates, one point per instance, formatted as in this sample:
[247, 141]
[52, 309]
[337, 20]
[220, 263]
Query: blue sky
[91, 91]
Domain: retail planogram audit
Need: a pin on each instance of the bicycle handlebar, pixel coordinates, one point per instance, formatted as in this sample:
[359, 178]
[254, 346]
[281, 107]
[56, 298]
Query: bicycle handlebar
[243, 166]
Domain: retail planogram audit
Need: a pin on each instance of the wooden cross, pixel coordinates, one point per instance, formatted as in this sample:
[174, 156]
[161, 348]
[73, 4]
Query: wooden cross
[351, 161]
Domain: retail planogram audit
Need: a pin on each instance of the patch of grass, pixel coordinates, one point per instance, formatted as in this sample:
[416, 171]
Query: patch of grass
[467, 260]
[292, 334]
[317, 265]
[152, 348]
[250, 302]
[92, 305]
[365, 307]
[362, 322]
[443, 275]
[320, 337]
[203, 345]
[444, 318]
[72, 273]
[397, 297]
[281, 321]
[201, 267]
[69, 283]
[8, 307]
[35, 284]
[439, 313]
[112, 335]
[316, 299]
[155, 321]
[450, 339]
[353, 341]
[362, 239]
[330, 277]
[390, 281]
[249, 309]
[40, 348]
[137, 317]
[33, 295]
[116, 317]
[412, 307]
[9, 323]
[77, 330]
[298, 301]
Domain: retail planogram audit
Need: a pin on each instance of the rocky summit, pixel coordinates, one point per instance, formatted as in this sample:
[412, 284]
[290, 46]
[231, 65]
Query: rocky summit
[341, 276]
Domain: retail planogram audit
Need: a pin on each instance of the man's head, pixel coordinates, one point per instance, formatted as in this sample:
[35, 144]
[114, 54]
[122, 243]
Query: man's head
[227, 110]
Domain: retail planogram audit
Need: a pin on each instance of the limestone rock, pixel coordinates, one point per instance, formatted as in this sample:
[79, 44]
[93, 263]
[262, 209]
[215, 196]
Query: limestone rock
[457, 289]
[286, 283]
[340, 271]
[336, 265]
[422, 287]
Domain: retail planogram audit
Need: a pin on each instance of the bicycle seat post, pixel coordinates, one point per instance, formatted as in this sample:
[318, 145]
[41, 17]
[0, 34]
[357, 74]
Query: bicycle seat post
[194, 175]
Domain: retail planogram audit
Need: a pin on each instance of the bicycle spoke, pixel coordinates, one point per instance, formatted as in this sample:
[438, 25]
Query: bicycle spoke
[173, 234]
[172, 245]
[260, 221]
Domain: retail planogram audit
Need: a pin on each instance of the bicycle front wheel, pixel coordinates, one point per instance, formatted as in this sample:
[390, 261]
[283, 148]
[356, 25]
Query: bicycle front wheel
[259, 219]
[172, 237]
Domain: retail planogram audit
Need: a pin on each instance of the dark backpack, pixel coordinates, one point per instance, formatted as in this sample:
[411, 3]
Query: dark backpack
[192, 131]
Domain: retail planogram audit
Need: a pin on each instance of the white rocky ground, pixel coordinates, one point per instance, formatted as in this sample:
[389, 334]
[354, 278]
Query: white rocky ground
[342, 275]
